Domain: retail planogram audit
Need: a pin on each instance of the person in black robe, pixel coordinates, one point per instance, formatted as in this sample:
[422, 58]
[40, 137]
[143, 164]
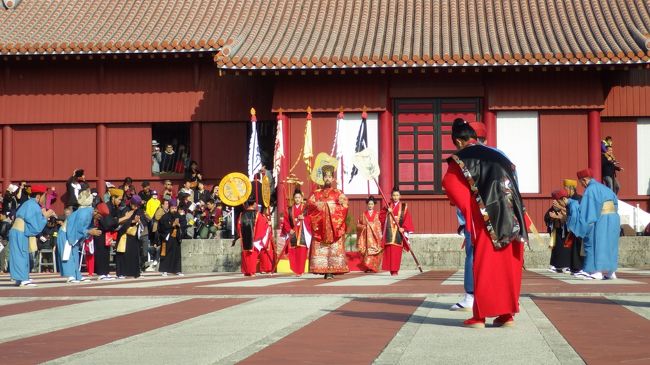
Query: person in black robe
[128, 262]
[561, 239]
[171, 228]
[168, 163]
[109, 222]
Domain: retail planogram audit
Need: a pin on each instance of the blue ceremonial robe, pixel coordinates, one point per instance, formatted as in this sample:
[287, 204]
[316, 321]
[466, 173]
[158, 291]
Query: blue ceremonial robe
[468, 279]
[76, 229]
[31, 213]
[600, 232]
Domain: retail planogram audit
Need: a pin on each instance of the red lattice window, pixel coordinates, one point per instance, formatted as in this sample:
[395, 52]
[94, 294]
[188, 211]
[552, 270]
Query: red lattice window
[423, 140]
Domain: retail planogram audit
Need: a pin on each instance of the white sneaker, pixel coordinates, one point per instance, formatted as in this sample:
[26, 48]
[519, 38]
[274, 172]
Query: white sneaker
[27, 283]
[581, 273]
[73, 280]
[465, 305]
[121, 277]
[551, 268]
[597, 275]
[164, 274]
[107, 278]
[180, 274]
[611, 276]
[566, 270]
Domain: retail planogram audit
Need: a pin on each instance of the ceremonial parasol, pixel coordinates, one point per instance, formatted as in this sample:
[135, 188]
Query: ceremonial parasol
[323, 159]
[234, 189]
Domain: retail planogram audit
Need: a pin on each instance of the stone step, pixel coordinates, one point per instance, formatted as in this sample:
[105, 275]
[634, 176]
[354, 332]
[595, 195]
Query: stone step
[435, 251]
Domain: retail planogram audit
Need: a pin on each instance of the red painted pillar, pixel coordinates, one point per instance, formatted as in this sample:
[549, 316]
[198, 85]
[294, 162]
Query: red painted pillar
[101, 159]
[195, 140]
[593, 143]
[386, 156]
[7, 157]
[284, 166]
[490, 120]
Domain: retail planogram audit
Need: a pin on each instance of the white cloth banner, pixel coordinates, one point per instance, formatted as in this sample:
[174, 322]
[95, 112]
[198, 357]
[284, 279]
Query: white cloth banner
[254, 158]
[345, 145]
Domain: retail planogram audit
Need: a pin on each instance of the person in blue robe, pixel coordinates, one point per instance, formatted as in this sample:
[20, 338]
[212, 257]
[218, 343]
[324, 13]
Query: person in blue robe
[78, 226]
[468, 279]
[30, 221]
[595, 219]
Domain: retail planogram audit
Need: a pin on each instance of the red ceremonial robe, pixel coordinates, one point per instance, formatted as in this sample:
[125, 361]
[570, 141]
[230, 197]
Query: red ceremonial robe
[251, 241]
[327, 209]
[497, 272]
[267, 253]
[300, 240]
[392, 240]
[369, 240]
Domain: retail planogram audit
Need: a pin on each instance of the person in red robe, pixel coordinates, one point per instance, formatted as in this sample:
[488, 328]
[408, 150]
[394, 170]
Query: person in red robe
[479, 174]
[295, 230]
[267, 252]
[395, 232]
[252, 230]
[369, 237]
[327, 209]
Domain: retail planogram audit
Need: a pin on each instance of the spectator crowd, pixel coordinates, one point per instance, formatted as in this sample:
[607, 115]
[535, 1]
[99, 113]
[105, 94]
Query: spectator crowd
[139, 234]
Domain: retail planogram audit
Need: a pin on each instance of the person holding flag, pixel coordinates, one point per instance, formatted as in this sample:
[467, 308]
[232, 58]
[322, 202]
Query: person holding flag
[396, 230]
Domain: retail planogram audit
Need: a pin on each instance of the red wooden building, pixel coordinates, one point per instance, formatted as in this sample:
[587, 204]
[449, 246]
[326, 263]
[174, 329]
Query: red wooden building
[90, 84]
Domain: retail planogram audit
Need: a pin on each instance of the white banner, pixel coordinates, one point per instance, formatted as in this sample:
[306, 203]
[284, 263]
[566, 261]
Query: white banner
[346, 143]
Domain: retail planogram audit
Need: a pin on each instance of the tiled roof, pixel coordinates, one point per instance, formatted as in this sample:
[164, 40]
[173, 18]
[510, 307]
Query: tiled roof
[357, 33]
[105, 26]
[281, 34]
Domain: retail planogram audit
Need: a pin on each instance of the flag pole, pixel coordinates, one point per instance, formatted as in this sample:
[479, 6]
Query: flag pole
[404, 238]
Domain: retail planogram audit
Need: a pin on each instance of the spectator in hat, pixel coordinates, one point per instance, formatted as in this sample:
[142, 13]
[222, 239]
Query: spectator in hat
[156, 157]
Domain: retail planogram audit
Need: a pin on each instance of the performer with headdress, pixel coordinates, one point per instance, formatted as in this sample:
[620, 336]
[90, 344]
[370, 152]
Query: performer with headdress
[395, 233]
[577, 254]
[296, 231]
[476, 175]
[369, 237]
[561, 239]
[596, 220]
[30, 220]
[73, 232]
[171, 228]
[252, 230]
[327, 209]
[128, 251]
[111, 218]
